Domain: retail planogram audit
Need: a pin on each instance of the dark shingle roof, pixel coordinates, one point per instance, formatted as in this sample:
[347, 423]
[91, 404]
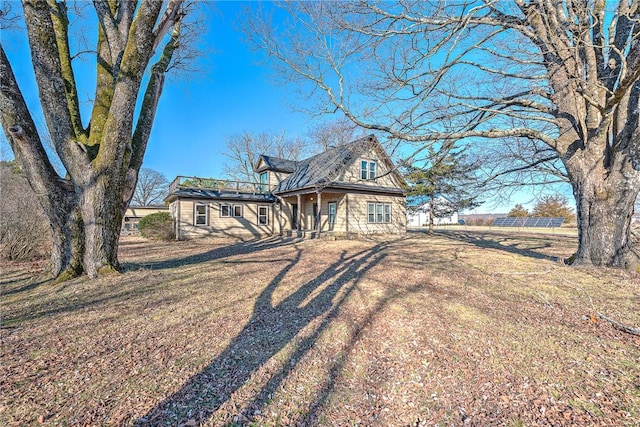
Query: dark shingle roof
[277, 164]
[325, 167]
[199, 193]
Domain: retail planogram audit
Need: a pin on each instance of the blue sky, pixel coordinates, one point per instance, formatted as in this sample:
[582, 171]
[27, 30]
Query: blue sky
[230, 93]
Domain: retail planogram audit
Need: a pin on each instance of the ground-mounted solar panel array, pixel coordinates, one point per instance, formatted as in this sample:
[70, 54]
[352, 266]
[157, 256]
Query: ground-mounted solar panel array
[542, 222]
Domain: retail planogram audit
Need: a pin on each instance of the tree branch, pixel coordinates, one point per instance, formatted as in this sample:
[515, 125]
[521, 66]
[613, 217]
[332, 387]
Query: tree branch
[23, 137]
[60, 22]
[151, 98]
[51, 83]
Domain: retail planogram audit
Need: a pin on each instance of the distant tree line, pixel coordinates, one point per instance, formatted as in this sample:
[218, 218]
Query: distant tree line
[550, 206]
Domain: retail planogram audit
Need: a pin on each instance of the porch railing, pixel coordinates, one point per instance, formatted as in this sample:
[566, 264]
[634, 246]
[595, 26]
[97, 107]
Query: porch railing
[224, 185]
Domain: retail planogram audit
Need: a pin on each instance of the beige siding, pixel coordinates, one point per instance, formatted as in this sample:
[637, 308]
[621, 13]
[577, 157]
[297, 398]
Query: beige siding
[341, 212]
[244, 226]
[352, 172]
[141, 211]
[357, 214]
[284, 219]
[351, 213]
[132, 217]
[274, 176]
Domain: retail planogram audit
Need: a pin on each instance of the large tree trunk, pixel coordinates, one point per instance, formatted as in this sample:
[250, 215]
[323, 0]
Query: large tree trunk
[101, 160]
[101, 207]
[605, 198]
[67, 245]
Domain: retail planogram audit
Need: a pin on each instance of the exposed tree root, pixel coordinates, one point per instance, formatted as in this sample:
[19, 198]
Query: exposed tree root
[107, 270]
[620, 326]
[68, 274]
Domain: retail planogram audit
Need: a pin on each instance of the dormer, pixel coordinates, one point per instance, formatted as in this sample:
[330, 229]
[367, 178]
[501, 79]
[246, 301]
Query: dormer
[272, 170]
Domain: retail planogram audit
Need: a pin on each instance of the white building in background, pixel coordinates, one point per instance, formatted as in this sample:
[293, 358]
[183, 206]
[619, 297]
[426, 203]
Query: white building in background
[420, 217]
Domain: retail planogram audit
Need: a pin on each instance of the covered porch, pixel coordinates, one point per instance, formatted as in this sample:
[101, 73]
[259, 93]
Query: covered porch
[314, 211]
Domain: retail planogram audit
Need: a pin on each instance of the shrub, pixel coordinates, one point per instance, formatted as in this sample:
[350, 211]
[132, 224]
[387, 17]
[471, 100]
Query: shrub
[24, 228]
[157, 226]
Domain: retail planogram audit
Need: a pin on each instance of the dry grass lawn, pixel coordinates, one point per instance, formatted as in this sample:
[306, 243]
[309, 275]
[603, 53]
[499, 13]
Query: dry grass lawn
[458, 329]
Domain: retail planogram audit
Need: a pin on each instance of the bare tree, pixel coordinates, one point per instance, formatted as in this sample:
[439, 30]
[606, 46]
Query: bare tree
[560, 78]
[243, 149]
[102, 159]
[335, 133]
[23, 225]
[151, 189]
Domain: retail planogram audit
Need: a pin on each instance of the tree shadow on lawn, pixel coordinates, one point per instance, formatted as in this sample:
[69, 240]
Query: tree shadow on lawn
[225, 251]
[33, 283]
[489, 241]
[64, 303]
[269, 330]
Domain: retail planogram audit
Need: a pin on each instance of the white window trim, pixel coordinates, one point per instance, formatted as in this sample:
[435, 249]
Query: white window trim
[266, 215]
[232, 210]
[384, 213]
[264, 184]
[368, 173]
[375, 213]
[329, 213]
[196, 215]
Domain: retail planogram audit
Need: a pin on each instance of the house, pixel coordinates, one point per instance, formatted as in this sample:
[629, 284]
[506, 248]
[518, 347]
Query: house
[351, 189]
[133, 215]
[419, 216]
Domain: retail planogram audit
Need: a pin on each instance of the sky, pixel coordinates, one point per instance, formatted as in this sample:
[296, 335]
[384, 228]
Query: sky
[230, 93]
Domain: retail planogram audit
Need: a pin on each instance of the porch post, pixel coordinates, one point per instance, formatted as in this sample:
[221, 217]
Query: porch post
[299, 214]
[319, 215]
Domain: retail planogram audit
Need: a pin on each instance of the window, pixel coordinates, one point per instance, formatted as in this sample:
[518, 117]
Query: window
[379, 213]
[264, 181]
[200, 214]
[230, 210]
[367, 169]
[332, 212]
[379, 217]
[263, 215]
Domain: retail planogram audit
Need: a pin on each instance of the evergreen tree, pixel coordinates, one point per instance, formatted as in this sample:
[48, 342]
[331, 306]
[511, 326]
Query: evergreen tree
[451, 176]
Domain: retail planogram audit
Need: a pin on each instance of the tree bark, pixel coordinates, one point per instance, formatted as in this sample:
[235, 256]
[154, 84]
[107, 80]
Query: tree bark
[605, 200]
[67, 247]
[100, 206]
[102, 160]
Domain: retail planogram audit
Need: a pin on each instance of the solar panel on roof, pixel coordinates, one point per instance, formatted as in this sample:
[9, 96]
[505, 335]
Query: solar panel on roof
[539, 222]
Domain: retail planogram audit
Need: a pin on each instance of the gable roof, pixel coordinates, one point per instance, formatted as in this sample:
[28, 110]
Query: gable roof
[275, 164]
[324, 168]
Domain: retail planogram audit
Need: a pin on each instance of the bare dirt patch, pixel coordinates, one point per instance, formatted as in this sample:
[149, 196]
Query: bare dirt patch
[459, 328]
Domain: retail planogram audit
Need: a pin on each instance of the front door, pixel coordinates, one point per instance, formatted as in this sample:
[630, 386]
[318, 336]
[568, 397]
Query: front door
[294, 216]
[315, 215]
